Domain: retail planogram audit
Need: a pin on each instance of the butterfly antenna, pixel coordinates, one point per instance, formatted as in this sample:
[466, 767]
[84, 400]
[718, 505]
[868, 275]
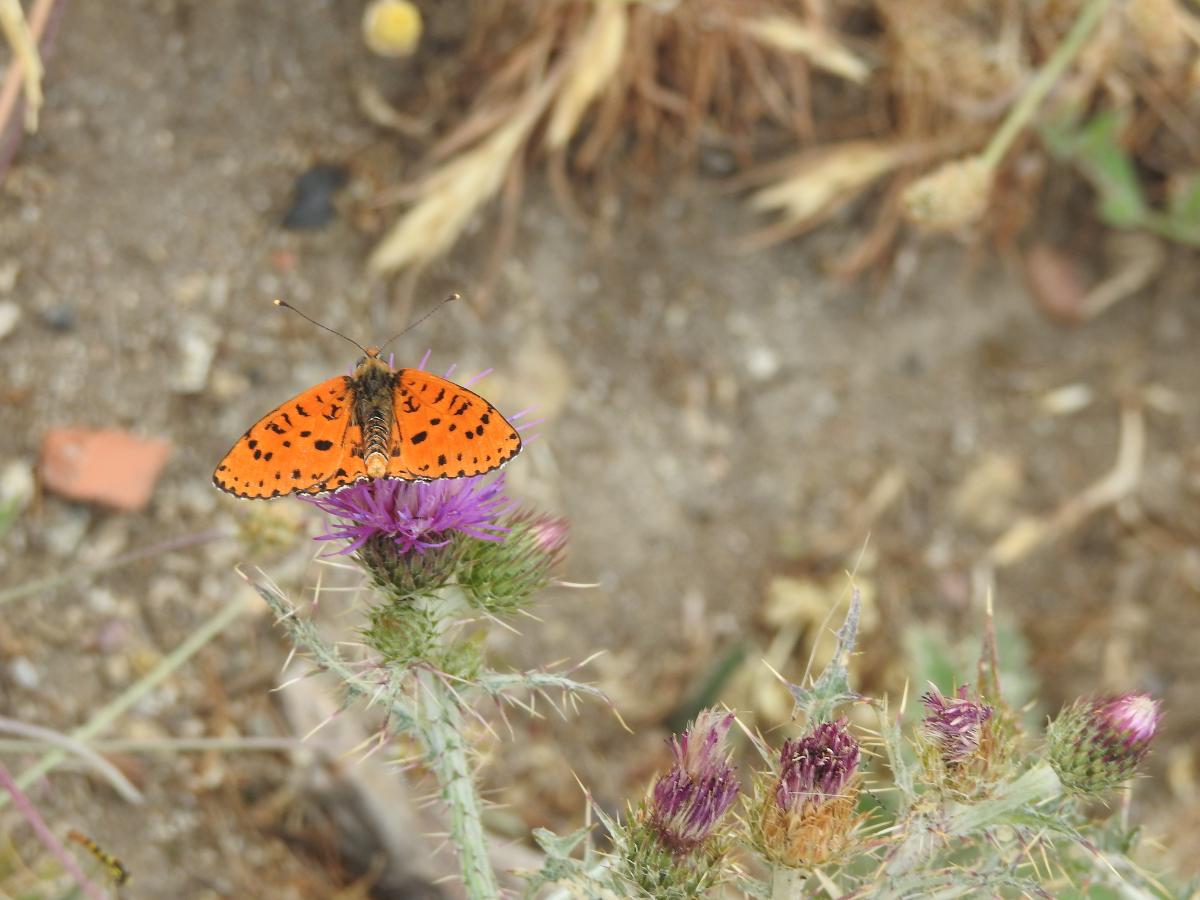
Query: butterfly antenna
[420, 320]
[287, 305]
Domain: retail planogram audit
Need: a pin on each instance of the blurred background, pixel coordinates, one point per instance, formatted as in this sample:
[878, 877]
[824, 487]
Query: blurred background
[800, 287]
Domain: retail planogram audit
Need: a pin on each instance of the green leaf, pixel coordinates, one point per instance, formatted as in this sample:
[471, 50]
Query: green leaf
[1107, 165]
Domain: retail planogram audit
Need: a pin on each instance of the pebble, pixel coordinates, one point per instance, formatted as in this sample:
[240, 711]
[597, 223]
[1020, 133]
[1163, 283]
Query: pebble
[762, 363]
[64, 529]
[312, 203]
[10, 314]
[23, 673]
[59, 317]
[16, 487]
[197, 349]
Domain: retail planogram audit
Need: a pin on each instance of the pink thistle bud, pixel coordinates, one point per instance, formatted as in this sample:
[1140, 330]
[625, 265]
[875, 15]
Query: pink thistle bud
[1099, 744]
[690, 799]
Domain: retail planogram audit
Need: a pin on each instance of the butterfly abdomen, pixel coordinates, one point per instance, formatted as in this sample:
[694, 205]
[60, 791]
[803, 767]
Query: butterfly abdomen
[373, 386]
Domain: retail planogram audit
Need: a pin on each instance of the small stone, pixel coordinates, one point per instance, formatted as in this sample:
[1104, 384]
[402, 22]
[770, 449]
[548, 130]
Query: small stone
[16, 488]
[64, 529]
[761, 363]
[312, 203]
[197, 348]
[10, 314]
[1056, 283]
[59, 317]
[23, 673]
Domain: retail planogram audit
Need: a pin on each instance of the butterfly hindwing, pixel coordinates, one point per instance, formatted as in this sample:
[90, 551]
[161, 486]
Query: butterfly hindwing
[307, 445]
[443, 430]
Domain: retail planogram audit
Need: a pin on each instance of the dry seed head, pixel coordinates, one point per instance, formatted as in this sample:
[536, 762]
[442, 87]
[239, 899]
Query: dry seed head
[952, 196]
[392, 27]
[819, 47]
[833, 174]
[597, 58]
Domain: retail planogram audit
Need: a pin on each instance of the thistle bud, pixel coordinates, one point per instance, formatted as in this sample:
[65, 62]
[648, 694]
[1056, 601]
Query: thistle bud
[1098, 744]
[954, 725]
[673, 846]
[689, 800]
[807, 818]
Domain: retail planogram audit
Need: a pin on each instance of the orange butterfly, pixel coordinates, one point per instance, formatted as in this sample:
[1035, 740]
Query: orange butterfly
[379, 422]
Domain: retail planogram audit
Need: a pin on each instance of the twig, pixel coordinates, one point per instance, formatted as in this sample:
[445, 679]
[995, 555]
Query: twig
[1064, 54]
[43, 736]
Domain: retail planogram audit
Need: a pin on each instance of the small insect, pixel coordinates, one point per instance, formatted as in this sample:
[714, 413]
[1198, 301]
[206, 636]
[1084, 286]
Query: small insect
[378, 422]
[116, 869]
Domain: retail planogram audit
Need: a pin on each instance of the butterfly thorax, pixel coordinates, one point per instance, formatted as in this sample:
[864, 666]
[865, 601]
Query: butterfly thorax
[373, 382]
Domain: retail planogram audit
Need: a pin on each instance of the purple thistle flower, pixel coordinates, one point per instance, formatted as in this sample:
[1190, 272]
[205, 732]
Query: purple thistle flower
[807, 818]
[1098, 744]
[690, 799]
[415, 515]
[816, 767]
[954, 724]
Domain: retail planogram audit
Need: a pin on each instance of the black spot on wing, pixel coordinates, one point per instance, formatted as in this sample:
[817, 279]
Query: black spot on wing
[323, 445]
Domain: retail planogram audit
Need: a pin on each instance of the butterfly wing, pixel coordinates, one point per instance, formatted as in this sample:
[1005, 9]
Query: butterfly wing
[307, 445]
[443, 430]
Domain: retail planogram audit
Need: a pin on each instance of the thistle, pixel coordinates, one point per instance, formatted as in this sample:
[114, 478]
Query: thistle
[674, 846]
[959, 743]
[1098, 744]
[807, 818]
[954, 724]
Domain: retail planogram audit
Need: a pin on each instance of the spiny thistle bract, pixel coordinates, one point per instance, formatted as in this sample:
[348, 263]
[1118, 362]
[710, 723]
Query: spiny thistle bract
[1098, 744]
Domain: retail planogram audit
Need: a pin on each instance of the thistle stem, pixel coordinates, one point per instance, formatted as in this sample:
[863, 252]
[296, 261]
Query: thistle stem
[439, 725]
[786, 883]
[928, 833]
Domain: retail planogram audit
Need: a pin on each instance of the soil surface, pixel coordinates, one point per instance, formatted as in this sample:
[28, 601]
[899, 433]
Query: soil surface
[721, 430]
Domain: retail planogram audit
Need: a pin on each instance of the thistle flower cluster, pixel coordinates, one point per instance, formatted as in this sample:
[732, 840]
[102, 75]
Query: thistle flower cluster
[1098, 744]
[808, 817]
[423, 541]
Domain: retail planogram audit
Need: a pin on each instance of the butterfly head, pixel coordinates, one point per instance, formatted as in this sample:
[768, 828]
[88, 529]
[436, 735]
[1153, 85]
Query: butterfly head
[370, 361]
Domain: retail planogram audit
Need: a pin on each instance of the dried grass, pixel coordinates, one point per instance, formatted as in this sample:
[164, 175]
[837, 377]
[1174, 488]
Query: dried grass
[584, 82]
[934, 106]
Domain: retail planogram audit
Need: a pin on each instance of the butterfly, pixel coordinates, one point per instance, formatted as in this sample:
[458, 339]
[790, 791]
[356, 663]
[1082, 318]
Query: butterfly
[378, 422]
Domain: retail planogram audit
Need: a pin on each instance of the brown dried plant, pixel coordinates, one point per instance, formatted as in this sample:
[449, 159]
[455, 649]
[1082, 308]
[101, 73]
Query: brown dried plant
[927, 105]
[583, 82]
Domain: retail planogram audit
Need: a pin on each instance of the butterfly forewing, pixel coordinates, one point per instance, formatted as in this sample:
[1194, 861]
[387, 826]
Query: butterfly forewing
[307, 445]
[442, 430]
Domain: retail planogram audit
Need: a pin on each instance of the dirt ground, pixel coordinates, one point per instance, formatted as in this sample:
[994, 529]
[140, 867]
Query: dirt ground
[713, 421]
